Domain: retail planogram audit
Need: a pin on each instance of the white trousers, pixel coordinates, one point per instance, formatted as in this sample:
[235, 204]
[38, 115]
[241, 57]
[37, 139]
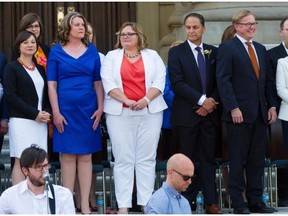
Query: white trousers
[134, 141]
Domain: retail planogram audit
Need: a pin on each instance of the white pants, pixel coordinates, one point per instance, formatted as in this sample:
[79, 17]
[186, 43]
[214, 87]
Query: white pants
[134, 141]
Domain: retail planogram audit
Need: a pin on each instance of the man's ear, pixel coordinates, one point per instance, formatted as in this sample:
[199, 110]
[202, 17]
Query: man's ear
[25, 171]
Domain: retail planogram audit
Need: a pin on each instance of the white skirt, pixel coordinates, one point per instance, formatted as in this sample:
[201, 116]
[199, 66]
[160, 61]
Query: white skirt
[25, 132]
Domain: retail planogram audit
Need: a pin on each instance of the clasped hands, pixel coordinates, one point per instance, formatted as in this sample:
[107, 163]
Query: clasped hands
[208, 106]
[43, 116]
[136, 105]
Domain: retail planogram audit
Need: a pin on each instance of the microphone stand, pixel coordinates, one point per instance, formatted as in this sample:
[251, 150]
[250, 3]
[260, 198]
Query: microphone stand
[47, 197]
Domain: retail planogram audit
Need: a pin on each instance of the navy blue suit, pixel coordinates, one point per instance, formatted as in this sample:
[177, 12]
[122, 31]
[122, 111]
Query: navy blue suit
[239, 88]
[196, 135]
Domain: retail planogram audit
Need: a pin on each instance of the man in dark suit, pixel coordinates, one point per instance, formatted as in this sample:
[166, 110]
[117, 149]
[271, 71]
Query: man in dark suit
[276, 53]
[249, 104]
[191, 68]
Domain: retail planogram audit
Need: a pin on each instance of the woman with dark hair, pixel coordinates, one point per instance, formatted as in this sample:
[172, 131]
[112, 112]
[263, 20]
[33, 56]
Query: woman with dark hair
[31, 22]
[26, 89]
[76, 97]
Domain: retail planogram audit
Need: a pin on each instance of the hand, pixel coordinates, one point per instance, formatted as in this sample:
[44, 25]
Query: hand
[209, 104]
[97, 115]
[43, 116]
[202, 112]
[236, 115]
[59, 122]
[272, 115]
[3, 127]
[130, 103]
[140, 104]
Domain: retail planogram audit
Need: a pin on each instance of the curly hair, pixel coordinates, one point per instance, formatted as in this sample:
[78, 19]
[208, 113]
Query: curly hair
[65, 27]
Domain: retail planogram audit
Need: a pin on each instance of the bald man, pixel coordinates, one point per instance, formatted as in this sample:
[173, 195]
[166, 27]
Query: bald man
[168, 199]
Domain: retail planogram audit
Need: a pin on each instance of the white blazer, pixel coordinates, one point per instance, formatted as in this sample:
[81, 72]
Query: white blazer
[155, 72]
[282, 87]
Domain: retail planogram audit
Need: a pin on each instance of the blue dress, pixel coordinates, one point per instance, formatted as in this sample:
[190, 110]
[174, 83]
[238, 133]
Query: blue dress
[77, 99]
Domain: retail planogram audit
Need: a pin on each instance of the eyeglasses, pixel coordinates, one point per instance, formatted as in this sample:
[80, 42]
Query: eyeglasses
[40, 167]
[249, 24]
[128, 34]
[185, 177]
[30, 27]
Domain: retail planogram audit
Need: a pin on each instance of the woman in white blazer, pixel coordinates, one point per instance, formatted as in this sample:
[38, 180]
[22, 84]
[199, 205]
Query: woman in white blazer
[282, 91]
[133, 78]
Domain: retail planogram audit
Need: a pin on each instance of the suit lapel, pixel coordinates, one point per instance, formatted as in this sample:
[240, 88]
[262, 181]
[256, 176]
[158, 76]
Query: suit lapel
[192, 61]
[244, 52]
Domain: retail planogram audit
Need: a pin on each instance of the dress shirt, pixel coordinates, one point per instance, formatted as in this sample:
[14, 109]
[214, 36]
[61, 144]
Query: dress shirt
[166, 200]
[195, 53]
[285, 47]
[246, 46]
[18, 199]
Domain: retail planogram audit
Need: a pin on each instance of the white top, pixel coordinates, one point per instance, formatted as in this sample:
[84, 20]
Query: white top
[18, 199]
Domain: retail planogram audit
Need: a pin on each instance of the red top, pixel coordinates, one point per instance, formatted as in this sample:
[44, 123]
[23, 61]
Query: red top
[133, 79]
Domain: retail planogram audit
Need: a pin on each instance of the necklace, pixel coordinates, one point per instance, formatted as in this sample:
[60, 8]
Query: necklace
[131, 55]
[29, 67]
[76, 48]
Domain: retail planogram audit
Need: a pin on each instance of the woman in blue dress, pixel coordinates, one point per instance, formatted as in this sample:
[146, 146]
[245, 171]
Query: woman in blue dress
[76, 95]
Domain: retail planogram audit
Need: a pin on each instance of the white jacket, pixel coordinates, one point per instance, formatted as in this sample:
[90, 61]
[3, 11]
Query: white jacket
[155, 72]
[282, 87]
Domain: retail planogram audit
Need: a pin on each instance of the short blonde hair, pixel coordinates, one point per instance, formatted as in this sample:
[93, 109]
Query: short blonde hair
[240, 15]
[142, 39]
[176, 43]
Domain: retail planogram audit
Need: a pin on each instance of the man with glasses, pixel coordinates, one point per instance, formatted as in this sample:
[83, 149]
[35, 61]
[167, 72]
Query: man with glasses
[168, 199]
[249, 104]
[30, 196]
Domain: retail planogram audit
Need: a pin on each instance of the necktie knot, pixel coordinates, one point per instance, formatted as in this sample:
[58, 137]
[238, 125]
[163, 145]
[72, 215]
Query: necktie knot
[198, 49]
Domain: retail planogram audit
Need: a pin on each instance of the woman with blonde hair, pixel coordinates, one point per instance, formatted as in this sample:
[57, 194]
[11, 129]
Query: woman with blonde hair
[76, 96]
[133, 78]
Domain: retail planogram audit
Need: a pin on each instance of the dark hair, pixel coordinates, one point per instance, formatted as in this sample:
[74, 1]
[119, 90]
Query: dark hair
[65, 27]
[23, 36]
[282, 22]
[142, 39]
[199, 16]
[28, 20]
[32, 156]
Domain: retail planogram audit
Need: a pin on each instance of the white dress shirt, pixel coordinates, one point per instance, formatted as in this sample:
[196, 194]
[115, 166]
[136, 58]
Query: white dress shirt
[18, 199]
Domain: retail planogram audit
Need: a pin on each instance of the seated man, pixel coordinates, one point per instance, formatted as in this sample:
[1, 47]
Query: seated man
[167, 199]
[30, 195]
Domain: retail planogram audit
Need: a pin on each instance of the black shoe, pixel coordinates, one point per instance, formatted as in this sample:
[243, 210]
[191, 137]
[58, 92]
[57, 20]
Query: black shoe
[283, 203]
[241, 210]
[262, 208]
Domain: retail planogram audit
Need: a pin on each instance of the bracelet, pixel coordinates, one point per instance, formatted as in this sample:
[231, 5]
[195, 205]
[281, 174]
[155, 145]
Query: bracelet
[147, 100]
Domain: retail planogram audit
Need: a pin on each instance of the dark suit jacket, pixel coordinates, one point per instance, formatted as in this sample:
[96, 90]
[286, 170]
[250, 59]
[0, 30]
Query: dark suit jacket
[237, 82]
[186, 84]
[275, 54]
[4, 113]
[21, 92]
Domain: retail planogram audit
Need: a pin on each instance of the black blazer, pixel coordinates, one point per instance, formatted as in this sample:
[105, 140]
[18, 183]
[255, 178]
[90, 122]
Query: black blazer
[275, 54]
[237, 83]
[186, 84]
[4, 107]
[21, 93]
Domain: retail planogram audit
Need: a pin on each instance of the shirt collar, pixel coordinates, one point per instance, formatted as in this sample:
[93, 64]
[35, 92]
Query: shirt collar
[193, 46]
[171, 190]
[23, 187]
[242, 39]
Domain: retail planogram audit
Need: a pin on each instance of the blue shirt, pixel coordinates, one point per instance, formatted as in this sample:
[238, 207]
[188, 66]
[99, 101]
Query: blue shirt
[167, 200]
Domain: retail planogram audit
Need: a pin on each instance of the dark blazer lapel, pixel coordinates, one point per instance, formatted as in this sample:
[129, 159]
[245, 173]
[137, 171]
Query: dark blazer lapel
[245, 54]
[191, 59]
[208, 63]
